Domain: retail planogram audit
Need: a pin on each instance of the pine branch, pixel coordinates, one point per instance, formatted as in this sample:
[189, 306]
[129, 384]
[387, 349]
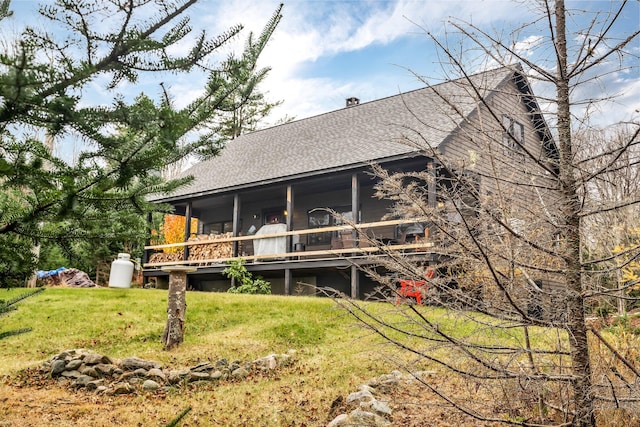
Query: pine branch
[174, 422]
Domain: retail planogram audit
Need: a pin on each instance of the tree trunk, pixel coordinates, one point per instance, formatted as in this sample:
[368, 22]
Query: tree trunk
[576, 325]
[177, 306]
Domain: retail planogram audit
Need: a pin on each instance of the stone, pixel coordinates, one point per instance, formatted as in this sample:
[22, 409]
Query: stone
[367, 387]
[127, 375]
[267, 362]
[339, 421]
[90, 370]
[133, 363]
[122, 388]
[202, 367]
[140, 372]
[71, 374]
[73, 365]
[92, 359]
[380, 408]
[101, 389]
[95, 384]
[386, 383]
[359, 396]
[150, 385]
[57, 367]
[174, 377]
[364, 418]
[216, 375]
[82, 381]
[240, 372]
[199, 376]
[104, 369]
[284, 359]
[156, 375]
[177, 375]
[222, 363]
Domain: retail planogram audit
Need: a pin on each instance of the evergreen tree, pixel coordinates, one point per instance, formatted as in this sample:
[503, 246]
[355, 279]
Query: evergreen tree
[245, 107]
[7, 306]
[42, 81]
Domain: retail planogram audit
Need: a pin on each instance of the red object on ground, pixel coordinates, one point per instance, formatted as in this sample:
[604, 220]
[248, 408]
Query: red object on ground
[414, 288]
[411, 288]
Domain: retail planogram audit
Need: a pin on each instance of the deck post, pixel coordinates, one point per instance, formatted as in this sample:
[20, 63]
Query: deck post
[147, 241]
[187, 229]
[432, 199]
[355, 205]
[236, 223]
[355, 282]
[177, 305]
[289, 219]
[288, 277]
[431, 196]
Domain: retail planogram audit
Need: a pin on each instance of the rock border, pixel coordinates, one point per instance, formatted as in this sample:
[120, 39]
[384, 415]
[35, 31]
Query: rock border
[367, 406]
[83, 369]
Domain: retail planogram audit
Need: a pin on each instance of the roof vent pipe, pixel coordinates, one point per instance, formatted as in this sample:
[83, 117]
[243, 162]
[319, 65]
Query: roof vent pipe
[352, 102]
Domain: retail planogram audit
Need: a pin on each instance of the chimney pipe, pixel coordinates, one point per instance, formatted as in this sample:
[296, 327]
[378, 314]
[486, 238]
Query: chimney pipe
[352, 102]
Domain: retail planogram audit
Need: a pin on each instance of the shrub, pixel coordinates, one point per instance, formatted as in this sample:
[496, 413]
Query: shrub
[243, 280]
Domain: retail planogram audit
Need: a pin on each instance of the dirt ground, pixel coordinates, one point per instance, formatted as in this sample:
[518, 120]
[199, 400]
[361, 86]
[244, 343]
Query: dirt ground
[45, 403]
[51, 405]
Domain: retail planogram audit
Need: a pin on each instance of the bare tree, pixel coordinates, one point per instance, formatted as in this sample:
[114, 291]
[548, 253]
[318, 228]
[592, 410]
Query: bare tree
[513, 191]
[612, 236]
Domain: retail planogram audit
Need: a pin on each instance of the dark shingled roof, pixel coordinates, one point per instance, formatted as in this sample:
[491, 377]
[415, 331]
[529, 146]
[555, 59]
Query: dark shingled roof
[341, 139]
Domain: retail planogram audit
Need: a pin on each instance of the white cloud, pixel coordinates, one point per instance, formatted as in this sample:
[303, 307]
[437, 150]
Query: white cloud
[528, 45]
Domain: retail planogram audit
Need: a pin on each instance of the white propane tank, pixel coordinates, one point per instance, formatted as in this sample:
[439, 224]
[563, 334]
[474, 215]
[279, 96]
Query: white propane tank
[121, 272]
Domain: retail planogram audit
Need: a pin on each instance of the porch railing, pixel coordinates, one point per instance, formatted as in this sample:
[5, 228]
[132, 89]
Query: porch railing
[368, 244]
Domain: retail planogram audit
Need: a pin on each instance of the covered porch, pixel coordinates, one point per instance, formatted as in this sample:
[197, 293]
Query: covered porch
[317, 230]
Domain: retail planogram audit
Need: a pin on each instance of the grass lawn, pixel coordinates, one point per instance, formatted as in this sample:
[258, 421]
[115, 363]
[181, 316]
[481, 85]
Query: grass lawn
[333, 356]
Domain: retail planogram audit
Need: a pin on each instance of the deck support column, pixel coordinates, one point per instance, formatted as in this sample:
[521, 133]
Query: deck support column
[288, 278]
[147, 241]
[355, 282]
[355, 205]
[187, 229]
[432, 197]
[236, 224]
[289, 218]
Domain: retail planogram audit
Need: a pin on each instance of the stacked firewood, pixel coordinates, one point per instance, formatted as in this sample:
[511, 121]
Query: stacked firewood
[214, 250]
[166, 257]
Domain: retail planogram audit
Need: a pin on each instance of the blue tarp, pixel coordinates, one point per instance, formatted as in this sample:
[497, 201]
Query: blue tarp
[41, 274]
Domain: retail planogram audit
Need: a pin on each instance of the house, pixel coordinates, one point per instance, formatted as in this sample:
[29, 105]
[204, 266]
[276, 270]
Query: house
[295, 200]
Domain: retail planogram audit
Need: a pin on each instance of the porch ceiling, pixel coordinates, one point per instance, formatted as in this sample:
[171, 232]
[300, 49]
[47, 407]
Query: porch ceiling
[310, 185]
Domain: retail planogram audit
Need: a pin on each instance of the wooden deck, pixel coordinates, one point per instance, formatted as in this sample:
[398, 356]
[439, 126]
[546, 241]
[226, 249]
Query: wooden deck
[367, 244]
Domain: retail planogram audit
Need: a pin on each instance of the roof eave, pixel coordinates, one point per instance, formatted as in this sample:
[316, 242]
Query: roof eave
[286, 179]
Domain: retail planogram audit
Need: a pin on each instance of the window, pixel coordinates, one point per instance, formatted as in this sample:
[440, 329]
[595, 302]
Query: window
[219, 227]
[274, 215]
[513, 138]
[322, 217]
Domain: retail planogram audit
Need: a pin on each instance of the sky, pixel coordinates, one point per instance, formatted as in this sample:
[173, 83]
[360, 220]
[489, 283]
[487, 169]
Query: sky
[325, 51]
